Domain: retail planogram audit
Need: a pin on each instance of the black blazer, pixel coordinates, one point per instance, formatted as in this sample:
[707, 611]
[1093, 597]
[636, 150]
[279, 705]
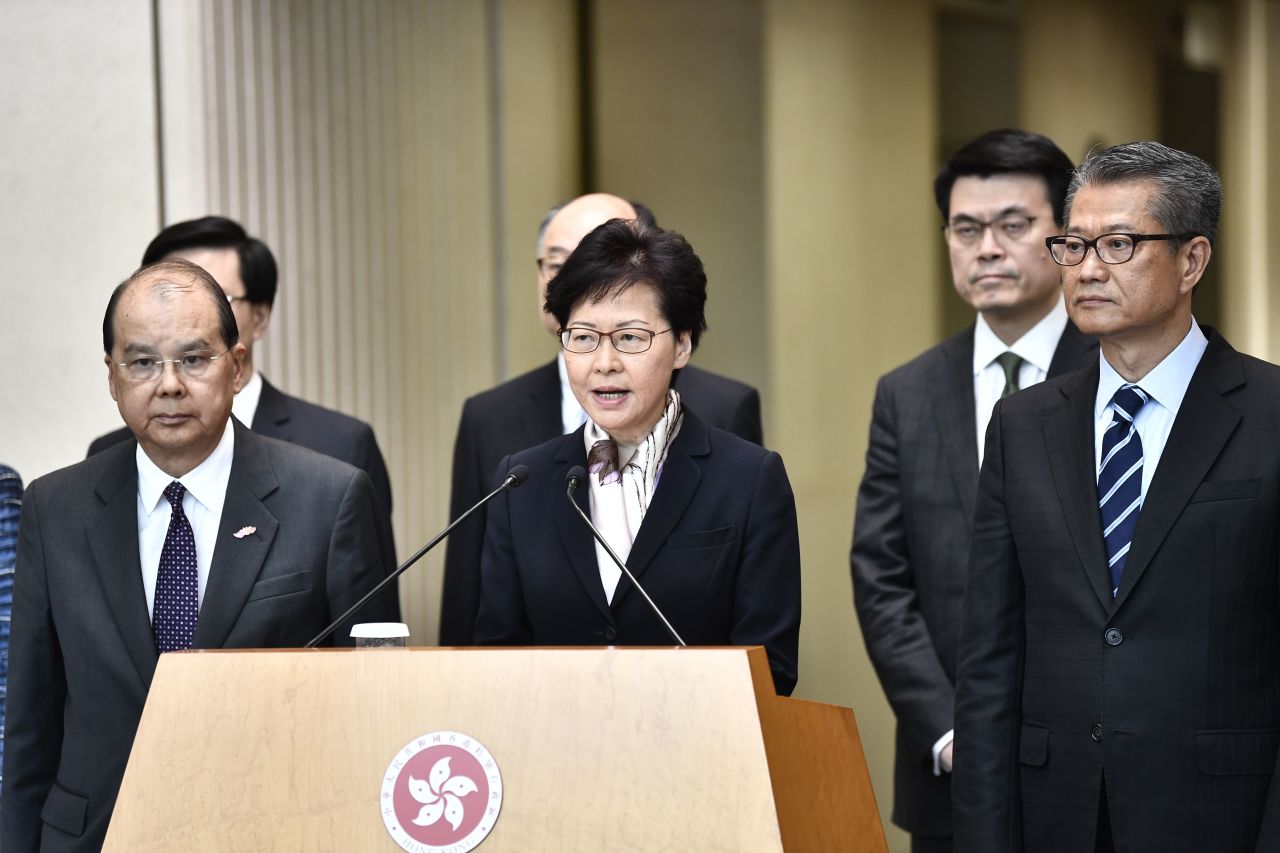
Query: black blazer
[82, 654]
[525, 412]
[911, 536]
[316, 428]
[718, 551]
[1171, 690]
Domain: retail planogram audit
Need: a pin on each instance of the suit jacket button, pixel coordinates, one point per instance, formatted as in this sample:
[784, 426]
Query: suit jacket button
[610, 634]
[1114, 636]
[1096, 732]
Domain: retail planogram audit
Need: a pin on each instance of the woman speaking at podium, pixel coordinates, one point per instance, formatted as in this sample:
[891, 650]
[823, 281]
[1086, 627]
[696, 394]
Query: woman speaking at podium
[704, 520]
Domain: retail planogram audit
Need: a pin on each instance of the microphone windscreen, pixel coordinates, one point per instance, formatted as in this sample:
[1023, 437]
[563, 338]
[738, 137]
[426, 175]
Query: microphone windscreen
[518, 475]
[576, 475]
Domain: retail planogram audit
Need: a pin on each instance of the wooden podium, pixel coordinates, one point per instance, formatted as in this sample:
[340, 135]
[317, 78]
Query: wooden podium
[600, 749]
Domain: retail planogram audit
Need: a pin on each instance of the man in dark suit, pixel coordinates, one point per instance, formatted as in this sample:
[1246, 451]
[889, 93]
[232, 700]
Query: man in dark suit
[199, 534]
[246, 270]
[1000, 196]
[1119, 677]
[536, 406]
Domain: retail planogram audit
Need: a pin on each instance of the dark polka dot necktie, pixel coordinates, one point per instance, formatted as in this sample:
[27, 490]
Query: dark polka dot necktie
[177, 598]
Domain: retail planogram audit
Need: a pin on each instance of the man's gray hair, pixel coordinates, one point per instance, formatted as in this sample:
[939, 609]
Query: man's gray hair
[1188, 192]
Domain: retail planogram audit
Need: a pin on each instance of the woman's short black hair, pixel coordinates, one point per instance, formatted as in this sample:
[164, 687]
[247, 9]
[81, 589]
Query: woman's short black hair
[624, 252]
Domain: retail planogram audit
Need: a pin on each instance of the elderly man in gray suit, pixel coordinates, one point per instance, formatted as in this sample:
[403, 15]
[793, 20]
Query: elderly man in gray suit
[197, 534]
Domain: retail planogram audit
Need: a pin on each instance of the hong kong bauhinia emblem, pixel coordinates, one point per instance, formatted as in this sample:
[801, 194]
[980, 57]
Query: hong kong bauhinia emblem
[441, 794]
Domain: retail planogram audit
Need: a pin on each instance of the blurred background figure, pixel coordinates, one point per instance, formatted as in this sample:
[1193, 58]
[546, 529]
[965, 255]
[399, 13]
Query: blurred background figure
[10, 505]
[538, 405]
[704, 519]
[1000, 195]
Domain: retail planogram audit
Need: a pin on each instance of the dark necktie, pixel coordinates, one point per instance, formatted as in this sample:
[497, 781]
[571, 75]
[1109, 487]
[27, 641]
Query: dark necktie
[1120, 479]
[177, 598]
[1010, 364]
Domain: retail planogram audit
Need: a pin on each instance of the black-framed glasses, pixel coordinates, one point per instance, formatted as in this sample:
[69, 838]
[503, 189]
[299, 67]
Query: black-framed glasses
[148, 368]
[1068, 250]
[967, 232]
[630, 341]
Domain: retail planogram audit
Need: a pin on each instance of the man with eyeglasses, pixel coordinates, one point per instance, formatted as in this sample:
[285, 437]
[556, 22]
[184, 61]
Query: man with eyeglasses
[246, 270]
[537, 406]
[201, 534]
[1000, 195]
[1119, 682]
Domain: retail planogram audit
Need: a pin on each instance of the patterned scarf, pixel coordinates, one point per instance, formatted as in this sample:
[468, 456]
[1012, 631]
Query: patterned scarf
[622, 490]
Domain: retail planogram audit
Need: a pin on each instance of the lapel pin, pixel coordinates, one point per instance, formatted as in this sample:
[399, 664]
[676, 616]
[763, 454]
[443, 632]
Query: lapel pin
[245, 531]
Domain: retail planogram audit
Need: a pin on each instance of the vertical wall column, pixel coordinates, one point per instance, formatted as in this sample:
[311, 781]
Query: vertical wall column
[678, 125]
[536, 116]
[358, 141]
[851, 290]
[1088, 73]
[1250, 252]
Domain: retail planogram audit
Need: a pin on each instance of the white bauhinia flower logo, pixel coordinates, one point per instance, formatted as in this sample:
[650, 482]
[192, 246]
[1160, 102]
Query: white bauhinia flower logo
[440, 794]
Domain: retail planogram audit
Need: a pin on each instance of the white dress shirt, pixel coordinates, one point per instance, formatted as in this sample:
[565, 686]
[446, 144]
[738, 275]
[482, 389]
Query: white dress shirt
[572, 414]
[617, 519]
[1166, 385]
[1035, 348]
[206, 486]
[245, 404]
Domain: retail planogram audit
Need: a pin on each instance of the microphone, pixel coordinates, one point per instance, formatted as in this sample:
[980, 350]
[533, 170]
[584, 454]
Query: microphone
[515, 477]
[576, 475]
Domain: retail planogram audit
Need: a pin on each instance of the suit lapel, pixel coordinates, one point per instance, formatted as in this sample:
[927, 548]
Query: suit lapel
[1204, 423]
[681, 474]
[574, 535]
[951, 392]
[113, 541]
[237, 562]
[272, 415]
[1069, 438]
[1074, 351]
[542, 419]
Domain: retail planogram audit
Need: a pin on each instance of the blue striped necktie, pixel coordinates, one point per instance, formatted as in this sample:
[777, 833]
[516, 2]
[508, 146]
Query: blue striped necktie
[1120, 478]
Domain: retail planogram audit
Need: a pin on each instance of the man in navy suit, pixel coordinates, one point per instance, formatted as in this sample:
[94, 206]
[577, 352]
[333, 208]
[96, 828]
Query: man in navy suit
[246, 270]
[536, 406]
[1000, 195]
[1119, 675]
[198, 534]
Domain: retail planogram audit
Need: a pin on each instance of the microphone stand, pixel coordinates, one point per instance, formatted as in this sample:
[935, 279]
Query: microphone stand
[515, 477]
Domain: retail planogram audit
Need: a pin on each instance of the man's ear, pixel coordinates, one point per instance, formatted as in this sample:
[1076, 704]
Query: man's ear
[111, 377]
[259, 318]
[1194, 258]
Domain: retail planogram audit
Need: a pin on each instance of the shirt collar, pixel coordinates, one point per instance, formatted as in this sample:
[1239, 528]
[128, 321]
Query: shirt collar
[207, 482]
[1166, 383]
[245, 404]
[1036, 347]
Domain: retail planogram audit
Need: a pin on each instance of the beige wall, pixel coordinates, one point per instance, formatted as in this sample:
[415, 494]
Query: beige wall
[79, 183]
[678, 120]
[1103, 47]
[847, 174]
[537, 138]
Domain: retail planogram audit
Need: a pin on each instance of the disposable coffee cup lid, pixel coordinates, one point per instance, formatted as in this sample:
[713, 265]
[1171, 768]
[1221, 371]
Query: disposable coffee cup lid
[380, 630]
